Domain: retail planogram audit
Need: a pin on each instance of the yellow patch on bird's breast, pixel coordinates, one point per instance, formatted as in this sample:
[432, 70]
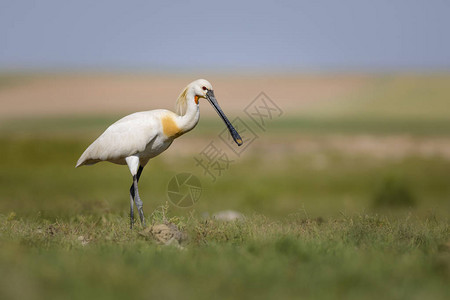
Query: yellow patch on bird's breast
[170, 128]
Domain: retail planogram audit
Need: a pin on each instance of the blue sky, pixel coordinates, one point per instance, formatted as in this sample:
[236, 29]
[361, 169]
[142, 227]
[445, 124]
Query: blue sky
[225, 35]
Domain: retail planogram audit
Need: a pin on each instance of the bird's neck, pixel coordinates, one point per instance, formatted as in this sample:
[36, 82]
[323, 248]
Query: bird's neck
[188, 121]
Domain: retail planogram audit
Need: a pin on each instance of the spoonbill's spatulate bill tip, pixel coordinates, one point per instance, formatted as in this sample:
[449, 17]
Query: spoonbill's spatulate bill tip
[136, 138]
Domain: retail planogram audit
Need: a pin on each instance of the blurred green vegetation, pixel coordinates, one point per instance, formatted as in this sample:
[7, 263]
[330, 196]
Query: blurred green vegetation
[92, 126]
[38, 174]
[394, 192]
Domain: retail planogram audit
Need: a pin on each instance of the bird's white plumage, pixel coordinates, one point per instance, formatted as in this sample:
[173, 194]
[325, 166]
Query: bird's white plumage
[138, 134]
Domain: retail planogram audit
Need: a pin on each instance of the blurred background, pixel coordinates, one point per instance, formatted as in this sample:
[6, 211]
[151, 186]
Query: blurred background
[362, 90]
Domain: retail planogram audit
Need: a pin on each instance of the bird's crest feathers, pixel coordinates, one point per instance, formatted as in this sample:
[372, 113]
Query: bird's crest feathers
[182, 102]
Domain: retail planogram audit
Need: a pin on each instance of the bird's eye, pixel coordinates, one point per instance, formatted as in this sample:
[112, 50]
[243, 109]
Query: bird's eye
[204, 88]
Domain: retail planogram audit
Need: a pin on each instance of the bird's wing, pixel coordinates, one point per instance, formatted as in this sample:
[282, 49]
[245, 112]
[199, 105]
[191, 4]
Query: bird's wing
[126, 137]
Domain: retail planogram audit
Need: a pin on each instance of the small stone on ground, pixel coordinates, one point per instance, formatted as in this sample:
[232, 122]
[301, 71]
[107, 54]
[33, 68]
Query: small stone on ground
[165, 234]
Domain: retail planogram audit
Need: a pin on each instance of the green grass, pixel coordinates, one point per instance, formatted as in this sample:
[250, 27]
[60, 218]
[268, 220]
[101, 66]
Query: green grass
[352, 257]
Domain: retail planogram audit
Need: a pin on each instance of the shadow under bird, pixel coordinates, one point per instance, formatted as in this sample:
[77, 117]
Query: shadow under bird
[136, 138]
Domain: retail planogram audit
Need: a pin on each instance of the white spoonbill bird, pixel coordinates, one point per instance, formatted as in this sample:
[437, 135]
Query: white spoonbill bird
[136, 138]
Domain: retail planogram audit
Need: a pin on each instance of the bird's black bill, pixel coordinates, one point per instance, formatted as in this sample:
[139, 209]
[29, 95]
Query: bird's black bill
[233, 132]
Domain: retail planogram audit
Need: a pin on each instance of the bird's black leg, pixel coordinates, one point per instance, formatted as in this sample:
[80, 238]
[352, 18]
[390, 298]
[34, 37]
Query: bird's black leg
[138, 201]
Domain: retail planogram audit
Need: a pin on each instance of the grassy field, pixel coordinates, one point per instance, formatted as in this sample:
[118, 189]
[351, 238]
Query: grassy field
[364, 256]
[349, 198]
